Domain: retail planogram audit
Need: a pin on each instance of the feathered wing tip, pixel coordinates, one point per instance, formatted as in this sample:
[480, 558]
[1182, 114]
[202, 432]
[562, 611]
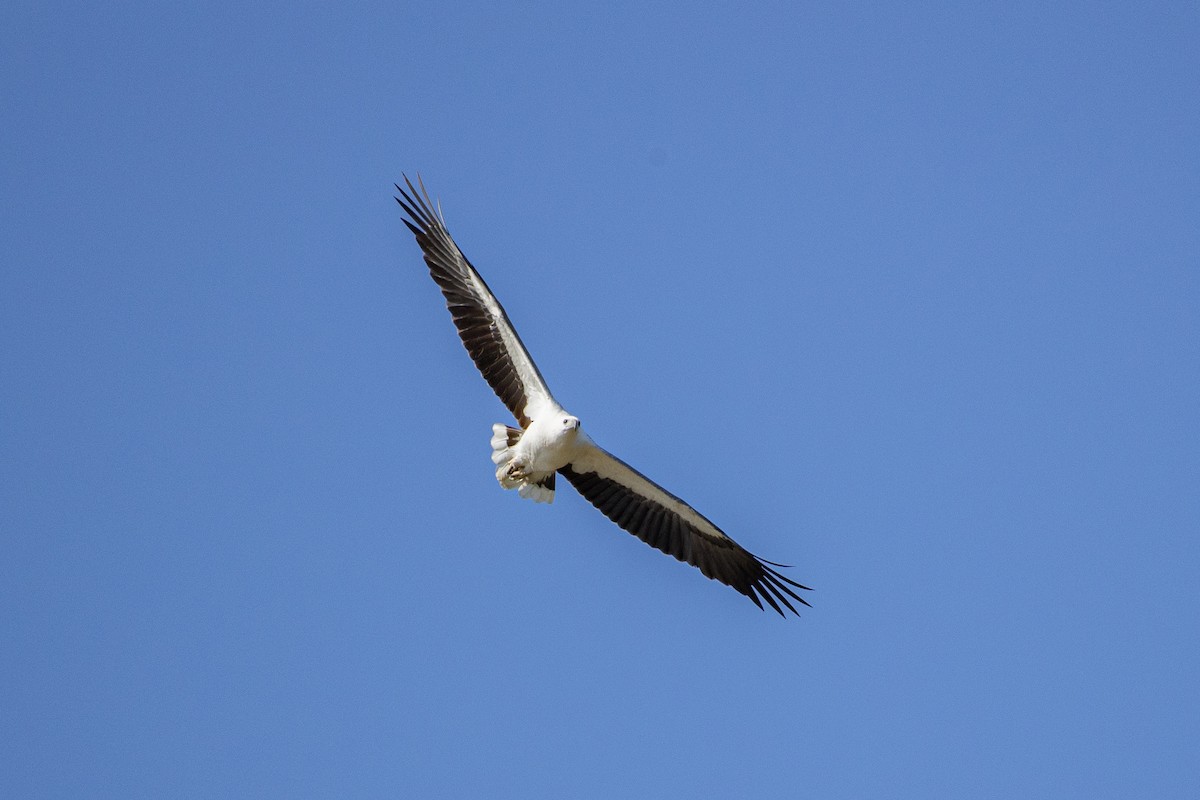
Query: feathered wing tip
[418, 204]
[772, 583]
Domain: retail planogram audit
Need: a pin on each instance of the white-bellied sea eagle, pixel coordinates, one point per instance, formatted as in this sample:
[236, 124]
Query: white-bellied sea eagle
[550, 441]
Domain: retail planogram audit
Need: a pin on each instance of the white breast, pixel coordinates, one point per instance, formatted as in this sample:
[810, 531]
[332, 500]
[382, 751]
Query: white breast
[548, 444]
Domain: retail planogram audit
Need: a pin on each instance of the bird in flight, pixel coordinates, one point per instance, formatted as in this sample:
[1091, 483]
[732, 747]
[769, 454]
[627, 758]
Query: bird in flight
[552, 442]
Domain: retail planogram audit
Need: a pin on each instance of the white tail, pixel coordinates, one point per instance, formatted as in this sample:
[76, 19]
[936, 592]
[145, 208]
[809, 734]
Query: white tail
[504, 439]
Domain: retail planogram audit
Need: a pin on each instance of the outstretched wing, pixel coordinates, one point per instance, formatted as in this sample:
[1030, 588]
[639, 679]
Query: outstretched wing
[660, 519]
[482, 324]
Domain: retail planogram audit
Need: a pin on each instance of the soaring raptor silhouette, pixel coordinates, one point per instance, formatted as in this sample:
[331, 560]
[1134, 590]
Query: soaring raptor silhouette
[550, 441]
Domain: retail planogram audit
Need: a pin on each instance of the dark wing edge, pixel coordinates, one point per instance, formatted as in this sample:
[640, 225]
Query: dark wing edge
[482, 323]
[644, 509]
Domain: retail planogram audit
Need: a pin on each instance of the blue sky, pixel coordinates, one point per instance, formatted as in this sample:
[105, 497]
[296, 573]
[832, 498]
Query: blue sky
[906, 296]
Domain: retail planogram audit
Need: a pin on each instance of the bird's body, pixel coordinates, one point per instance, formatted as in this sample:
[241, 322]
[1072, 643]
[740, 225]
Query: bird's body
[551, 442]
[527, 460]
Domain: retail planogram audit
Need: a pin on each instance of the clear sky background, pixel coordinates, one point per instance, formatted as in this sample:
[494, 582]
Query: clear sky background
[907, 296]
